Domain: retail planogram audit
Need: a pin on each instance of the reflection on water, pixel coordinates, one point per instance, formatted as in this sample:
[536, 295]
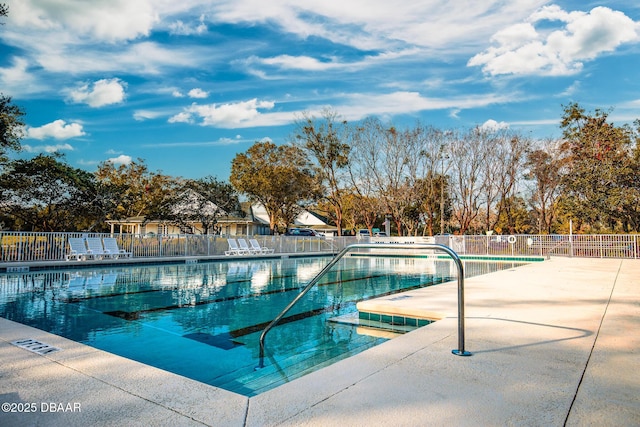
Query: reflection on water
[203, 320]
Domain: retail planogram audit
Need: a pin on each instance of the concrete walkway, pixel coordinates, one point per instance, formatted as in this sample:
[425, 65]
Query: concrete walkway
[554, 343]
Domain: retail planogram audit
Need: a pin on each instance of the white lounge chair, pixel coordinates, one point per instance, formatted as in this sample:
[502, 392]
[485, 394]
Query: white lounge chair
[260, 249]
[78, 249]
[234, 249]
[95, 248]
[245, 247]
[111, 244]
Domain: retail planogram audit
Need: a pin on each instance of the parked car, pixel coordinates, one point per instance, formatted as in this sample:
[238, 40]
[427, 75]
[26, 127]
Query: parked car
[300, 232]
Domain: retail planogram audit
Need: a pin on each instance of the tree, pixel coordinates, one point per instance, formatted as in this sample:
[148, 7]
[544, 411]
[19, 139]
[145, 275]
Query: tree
[387, 160]
[468, 155]
[509, 153]
[4, 10]
[514, 217]
[601, 172]
[435, 203]
[281, 178]
[11, 124]
[201, 201]
[134, 190]
[46, 194]
[11, 127]
[323, 140]
[433, 185]
[544, 169]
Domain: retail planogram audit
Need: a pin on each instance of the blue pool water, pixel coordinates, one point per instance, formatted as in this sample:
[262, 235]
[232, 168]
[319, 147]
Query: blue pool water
[203, 321]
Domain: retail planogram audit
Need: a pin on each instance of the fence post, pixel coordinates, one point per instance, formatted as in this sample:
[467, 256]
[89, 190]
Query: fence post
[600, 249]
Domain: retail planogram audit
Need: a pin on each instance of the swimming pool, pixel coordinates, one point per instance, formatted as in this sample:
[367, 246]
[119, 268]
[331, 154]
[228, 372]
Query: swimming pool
[203, 320]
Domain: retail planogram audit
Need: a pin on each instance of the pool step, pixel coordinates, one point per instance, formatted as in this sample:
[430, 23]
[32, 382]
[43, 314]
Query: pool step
[389, 317]
[407, 309]
[381, 325]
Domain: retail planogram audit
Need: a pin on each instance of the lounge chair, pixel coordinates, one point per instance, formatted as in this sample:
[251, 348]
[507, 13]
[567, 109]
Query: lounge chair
[95, 248]
[245, 247]
[78, 249]
[260, 249]
[111, 244]
[234, 249]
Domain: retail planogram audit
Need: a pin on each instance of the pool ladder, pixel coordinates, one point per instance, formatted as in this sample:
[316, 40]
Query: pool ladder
[460, 351]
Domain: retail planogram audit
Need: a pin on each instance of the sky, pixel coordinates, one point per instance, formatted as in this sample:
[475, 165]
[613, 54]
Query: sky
[186, 85]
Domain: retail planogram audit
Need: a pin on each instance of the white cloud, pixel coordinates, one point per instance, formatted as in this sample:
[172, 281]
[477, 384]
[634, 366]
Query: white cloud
[219, 142]
[359, 106]
[141, 115]
[103, 20]
[57, 129]
[381, 24]
[198, 93]
[47, 148]
[100, 93]
[454, 113]
[571, 90]
[233, 115]
[181, 29]
[523, 49]
[177, 94]
[17, 73]
[183, 117]
[493, 126]
[326, 63]
[298, 63]
[144, 57]
[356, 106]
[120, 160]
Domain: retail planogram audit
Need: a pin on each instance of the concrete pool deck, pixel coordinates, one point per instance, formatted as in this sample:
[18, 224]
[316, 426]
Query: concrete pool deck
[554, 343]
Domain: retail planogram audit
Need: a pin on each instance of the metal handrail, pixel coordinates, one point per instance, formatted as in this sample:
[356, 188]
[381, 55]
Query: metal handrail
[460, 351]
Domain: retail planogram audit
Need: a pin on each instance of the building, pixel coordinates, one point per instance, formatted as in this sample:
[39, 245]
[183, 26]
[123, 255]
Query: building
[254, 221]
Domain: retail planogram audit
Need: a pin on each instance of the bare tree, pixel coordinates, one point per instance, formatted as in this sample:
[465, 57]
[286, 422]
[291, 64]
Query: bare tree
[467, 156]
[324, 141]
[432, 182]
[365, 140]
[503, 168]
[512, 150]
[545, 165]
[387, 160]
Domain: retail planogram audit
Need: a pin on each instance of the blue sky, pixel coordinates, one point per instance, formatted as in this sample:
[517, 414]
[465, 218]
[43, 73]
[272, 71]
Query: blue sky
[186, 85]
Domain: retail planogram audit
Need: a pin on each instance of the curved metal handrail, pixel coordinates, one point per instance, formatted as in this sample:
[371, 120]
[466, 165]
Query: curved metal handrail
[460, 351]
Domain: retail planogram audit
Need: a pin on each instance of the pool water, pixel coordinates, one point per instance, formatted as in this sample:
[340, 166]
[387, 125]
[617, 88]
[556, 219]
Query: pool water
[203, 321]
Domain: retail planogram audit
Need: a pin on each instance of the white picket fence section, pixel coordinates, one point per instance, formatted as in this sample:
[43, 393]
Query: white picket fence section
[33, 247]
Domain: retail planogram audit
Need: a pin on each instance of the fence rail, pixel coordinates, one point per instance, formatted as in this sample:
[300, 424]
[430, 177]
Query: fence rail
[31, 247]
[582, 245]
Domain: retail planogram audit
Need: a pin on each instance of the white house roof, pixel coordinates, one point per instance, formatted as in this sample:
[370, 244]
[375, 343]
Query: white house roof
[304, 219]
[308, 219]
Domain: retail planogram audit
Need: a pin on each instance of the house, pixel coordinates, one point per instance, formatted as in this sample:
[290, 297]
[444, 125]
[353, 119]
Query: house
[254, 221]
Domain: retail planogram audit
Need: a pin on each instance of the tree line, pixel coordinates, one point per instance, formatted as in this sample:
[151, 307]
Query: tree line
[423, 179]
[431, 181]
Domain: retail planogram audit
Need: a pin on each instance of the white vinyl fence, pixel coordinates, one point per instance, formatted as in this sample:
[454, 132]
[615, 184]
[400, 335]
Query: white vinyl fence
[583, 245]
[31, 247]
